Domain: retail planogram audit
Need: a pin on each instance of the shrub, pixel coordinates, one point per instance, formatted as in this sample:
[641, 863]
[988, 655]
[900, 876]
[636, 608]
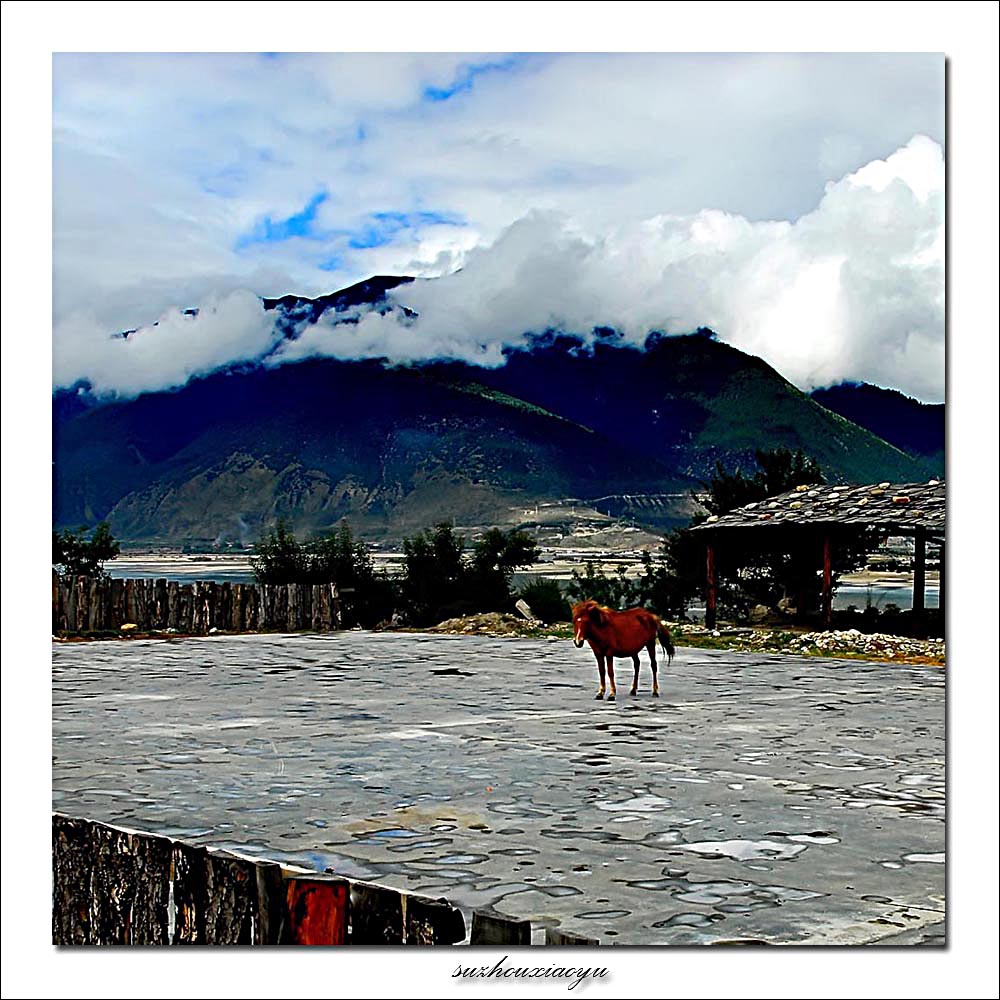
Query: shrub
[367, 597]
[593, 584]
[279, 557]
[546, 600]
[441, 581]
[83, 552]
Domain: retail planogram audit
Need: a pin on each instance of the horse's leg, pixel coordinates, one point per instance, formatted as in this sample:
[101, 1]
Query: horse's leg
[635, 679]
[652, 662]
[611, 677]
[600, 673]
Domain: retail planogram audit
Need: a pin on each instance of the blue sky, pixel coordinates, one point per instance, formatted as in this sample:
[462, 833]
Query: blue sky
[180, 179]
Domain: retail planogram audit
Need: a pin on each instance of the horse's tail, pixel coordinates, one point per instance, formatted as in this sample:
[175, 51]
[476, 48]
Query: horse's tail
[663, 634]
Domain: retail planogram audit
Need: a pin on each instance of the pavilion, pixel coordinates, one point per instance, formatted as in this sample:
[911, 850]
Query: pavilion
[818, 515]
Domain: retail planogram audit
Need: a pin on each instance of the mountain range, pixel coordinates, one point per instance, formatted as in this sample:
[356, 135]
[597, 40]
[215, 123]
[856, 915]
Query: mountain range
[395, 448]
[913, 426]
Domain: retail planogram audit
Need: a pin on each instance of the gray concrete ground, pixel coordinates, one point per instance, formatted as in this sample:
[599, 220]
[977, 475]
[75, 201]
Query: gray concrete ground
[762, 798]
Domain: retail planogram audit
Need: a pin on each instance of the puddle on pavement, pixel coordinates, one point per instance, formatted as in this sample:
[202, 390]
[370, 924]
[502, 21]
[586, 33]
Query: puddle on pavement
[641, 802]
[745, 850]
[690, 920]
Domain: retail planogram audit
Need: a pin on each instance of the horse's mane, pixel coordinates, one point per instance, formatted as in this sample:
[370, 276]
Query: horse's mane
[588, 604]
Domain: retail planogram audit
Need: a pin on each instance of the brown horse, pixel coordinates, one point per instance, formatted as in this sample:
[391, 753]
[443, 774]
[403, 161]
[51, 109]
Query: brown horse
[620, 633]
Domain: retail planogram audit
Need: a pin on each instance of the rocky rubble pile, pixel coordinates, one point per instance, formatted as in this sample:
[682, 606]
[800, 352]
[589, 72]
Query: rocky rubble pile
[492, 623]
[877, 645]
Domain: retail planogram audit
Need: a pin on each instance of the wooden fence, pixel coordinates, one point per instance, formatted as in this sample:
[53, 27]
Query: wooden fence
[82, 604]
[116, 886]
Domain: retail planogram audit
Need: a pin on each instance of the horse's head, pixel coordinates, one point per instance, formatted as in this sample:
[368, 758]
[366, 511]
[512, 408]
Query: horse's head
[586, 614]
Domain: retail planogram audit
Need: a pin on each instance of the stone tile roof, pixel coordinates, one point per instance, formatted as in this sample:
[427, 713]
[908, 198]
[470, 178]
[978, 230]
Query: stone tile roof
[899, 507]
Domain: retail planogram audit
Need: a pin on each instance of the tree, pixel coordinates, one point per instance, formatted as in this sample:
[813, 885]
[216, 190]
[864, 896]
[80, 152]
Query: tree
[748, 572]
[672, 579]
[433, 571]
[440, 580]
[593, 584]
[546, 600]
[279, 557]
[84, 552]
[494, 558]
[782, 470]
[367, 597]
[779, 470]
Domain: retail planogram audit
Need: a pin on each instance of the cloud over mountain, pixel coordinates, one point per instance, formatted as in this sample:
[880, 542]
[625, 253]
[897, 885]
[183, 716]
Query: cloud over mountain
[853, 289]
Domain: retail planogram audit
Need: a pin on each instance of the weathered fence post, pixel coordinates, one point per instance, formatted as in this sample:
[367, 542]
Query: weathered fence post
[211, 604]
[185, 609]
[252, 601]
[307, 593]
[281, 612]
[430, 921]
[109, 886]
[130, 612]
[117, 602]
[144, 602]
[493, 928]
[69, 603]
[57, 602]
[224, 615]
[160, 603]
[173, 604]
[236, 608]
[82, 604]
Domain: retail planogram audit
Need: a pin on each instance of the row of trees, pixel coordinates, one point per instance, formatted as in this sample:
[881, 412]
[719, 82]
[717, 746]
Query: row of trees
[441, 578]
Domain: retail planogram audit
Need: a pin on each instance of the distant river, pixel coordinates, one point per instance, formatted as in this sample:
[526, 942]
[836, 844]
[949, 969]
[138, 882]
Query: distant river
[183, 569]
[882, 594]
[236, 569]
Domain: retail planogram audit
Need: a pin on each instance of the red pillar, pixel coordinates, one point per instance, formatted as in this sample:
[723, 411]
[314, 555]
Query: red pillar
[827, 581]
[941, 585]
[710, 586]
[316, 911]
[919, 572]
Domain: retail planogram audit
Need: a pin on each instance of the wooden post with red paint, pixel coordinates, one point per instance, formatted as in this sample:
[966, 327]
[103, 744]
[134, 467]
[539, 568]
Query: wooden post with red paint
[316, 910]
[710, 586]
[827, 580]
[942, 579]
[919, 572]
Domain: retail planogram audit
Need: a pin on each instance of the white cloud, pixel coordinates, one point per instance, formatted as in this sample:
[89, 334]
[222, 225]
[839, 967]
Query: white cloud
[641, 169]
[225, 330]
[852, 290]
